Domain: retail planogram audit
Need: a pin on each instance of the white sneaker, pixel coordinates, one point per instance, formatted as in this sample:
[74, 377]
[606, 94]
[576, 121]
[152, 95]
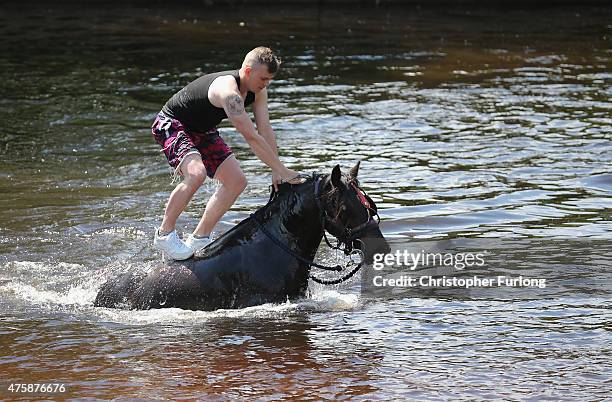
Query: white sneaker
[172, 246]
[197, 244]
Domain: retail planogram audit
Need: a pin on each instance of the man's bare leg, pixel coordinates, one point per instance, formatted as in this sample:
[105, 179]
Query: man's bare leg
[194, 174]
[233, 182]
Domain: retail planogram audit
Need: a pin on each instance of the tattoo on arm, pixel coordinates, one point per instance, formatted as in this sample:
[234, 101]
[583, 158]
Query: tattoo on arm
[235, 106]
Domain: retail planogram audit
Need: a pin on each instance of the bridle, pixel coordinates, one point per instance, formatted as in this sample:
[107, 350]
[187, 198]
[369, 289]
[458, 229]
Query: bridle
[346, 235]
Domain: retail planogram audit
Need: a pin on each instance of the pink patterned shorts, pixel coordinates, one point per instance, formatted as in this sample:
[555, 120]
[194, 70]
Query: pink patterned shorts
[177, 142]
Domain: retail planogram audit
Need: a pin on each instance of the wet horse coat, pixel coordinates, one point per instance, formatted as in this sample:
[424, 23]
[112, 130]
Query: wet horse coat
[244, 267]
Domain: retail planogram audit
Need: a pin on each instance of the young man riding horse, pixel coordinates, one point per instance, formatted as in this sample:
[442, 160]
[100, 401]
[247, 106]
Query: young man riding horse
[186, 130]
[266, 258]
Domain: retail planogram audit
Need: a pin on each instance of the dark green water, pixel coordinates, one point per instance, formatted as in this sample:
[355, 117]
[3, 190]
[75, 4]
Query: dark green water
[477, 123]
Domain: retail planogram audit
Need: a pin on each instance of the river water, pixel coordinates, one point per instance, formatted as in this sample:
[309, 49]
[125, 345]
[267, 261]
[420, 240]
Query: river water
[480, 123]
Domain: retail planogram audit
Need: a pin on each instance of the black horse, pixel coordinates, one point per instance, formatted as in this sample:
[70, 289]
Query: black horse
[266, 258]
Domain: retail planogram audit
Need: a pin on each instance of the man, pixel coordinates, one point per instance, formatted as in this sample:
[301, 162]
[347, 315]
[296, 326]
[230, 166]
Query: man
[186, 129]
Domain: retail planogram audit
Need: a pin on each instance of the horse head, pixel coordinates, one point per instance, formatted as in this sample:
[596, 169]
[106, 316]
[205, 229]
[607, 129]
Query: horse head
[349, 214]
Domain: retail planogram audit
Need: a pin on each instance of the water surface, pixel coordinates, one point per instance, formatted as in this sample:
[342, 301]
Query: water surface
[470, 123]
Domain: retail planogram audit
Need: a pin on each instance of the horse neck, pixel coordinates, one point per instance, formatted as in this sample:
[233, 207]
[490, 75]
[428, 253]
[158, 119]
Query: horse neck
[296, 220]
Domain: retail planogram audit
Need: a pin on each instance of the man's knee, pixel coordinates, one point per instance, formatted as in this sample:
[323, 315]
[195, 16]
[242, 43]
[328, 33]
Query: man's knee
[195, 178]
[194, 172]
[232, 177]
[239, 183]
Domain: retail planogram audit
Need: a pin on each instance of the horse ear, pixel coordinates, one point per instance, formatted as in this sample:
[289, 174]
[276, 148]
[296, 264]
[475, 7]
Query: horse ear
[336, 176]
[354, 171]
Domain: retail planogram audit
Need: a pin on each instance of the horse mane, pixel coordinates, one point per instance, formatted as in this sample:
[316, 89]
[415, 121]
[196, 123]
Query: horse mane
[275, 202]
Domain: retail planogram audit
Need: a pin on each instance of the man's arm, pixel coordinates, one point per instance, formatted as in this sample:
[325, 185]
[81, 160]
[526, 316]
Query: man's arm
[262, 119]
[224, 93]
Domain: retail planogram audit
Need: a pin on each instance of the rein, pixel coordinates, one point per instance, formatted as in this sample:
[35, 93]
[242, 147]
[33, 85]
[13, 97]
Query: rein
[261, 227]
[347, 236]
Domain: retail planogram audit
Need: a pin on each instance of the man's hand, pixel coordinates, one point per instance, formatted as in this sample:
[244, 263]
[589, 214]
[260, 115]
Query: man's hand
[288, 176]
[276, 180]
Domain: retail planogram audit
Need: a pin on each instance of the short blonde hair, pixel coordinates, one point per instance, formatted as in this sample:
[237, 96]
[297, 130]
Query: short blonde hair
[265, 56]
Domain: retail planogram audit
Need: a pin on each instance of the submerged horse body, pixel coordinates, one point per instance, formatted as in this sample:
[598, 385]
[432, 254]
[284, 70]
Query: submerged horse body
[246, 266]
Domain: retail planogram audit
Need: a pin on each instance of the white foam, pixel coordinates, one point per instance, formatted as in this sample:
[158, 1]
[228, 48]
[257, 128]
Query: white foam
[37, 267]
[331, 300]
[74, 287]
[44, 284]
[122, 231]
[177, 315]
[82, 294]
[39, 297]
[327, 300]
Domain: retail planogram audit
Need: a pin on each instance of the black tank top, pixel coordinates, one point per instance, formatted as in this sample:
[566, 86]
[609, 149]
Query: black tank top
[192, 107]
